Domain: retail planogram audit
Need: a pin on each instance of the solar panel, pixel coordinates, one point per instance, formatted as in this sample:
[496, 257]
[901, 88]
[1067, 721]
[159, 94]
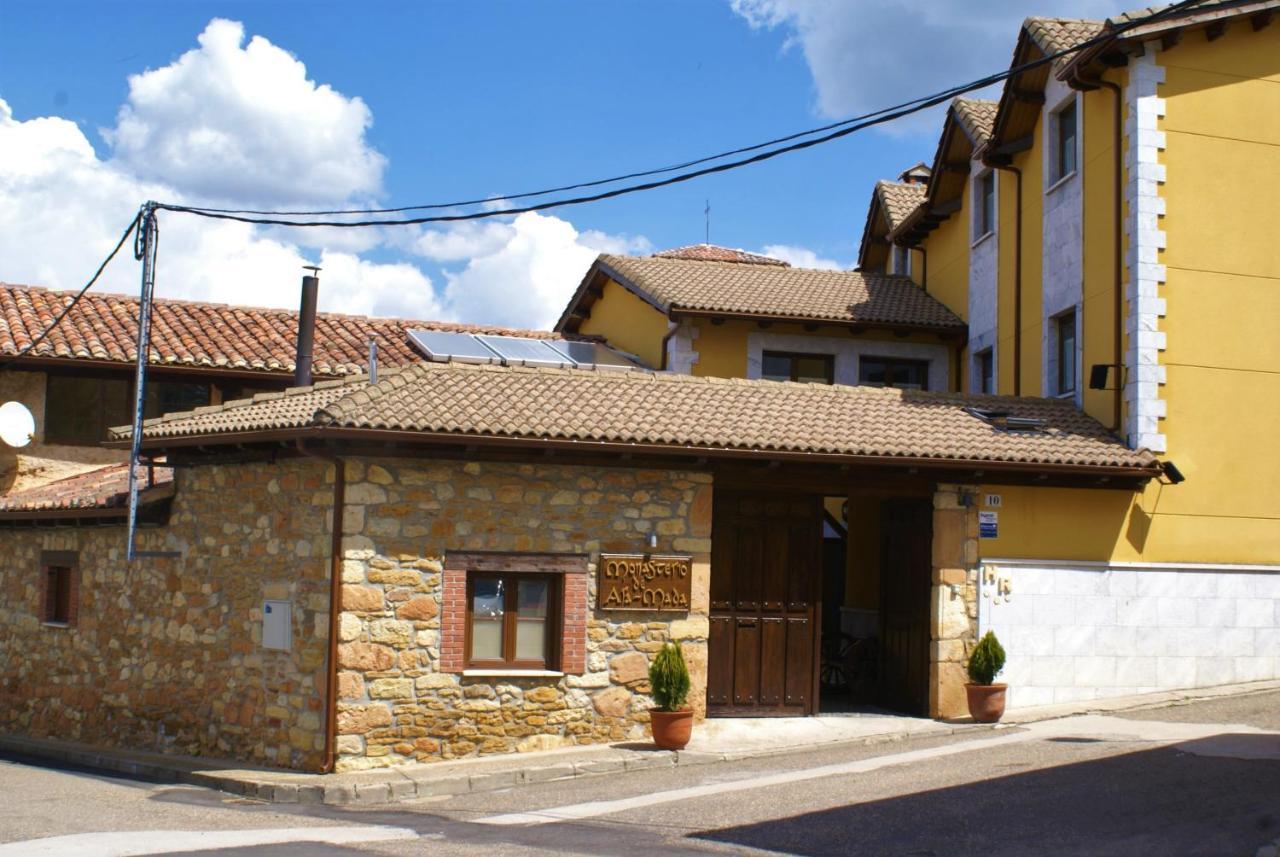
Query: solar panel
[443, 346]
[518, 351]
[592, 354]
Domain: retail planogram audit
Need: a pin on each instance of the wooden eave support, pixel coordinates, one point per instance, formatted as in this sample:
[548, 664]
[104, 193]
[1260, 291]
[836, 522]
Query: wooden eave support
[1214, 31]
[1027, 96]
[1170, 39]
[1261, 20]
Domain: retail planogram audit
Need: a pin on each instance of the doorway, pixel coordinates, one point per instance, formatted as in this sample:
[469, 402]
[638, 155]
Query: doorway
[765, 585]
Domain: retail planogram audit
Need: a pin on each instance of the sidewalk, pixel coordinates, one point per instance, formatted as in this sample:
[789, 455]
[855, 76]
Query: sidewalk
[714, 741]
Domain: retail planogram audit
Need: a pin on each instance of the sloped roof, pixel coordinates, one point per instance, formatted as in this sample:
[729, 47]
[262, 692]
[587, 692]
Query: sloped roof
[98, 489]
[977, 116]
[771, 291]
[1061, 34]
[899, 200]
[713, 253]
[196, 334]
[666, 411]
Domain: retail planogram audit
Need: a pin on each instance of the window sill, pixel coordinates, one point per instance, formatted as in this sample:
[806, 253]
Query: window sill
[1069, 394]
[1059, 183]
[983, 238]
[512, 673]
[56, 624]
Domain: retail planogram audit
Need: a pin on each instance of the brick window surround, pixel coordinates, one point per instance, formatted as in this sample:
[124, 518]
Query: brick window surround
[573, 612]
[59, 588]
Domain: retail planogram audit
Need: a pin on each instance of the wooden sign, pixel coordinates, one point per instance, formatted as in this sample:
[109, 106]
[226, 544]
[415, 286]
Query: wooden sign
[643, 582]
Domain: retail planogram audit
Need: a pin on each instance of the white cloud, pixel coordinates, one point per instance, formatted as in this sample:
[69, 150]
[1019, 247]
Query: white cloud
[802, 257]
[260, 131]
[872, 54]
[528, 280]
[237, 122]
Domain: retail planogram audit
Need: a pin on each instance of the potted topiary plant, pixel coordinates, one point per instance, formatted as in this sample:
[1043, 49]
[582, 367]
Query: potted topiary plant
[671, 721]
[986, 698]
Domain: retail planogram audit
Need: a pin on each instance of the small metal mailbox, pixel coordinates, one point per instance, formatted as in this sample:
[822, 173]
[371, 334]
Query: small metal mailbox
[277, 625]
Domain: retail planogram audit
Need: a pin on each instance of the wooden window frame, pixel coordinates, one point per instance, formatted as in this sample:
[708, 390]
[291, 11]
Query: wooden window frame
[829, 361]
[986, 361]
[984, 204]
[898, 361]
[56, 565]
[509, 661]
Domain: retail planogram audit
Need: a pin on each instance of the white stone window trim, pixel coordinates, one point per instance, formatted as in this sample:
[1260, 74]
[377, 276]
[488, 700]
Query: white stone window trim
[1050, 371]
[1073, 98]
[500, 673]
[1060, 182]
[979, 348]
[990, 233]
[977, 172]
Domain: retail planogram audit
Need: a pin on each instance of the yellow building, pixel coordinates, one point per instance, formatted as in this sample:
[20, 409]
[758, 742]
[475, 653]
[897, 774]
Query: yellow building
[1101, 234]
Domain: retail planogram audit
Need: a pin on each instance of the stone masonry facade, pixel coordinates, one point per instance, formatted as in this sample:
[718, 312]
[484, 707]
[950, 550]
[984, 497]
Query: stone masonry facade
[413, 529]
[954, 614]
[165, 654]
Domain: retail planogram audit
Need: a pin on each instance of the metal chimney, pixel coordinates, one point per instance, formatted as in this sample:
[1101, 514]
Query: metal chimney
[306, 326]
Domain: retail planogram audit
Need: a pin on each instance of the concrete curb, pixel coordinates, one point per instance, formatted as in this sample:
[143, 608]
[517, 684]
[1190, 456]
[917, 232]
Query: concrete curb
[447, 779]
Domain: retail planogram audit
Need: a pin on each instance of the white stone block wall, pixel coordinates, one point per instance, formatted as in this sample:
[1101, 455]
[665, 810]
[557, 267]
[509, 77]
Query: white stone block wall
[1091, 631]
[983, 276]
[1144, 177]
[1062, 265]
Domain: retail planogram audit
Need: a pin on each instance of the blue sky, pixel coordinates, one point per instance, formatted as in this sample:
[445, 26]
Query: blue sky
[460, 100]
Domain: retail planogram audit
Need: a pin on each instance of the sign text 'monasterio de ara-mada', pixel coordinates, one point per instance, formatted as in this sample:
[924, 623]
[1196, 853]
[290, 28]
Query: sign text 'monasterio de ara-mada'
[640, 582]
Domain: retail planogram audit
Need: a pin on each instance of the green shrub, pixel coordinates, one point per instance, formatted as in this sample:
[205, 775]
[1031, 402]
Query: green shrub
[669, 678]
[987, 660]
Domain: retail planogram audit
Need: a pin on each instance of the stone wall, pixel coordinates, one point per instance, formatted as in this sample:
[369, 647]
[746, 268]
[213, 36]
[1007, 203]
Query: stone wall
[404, 519]
[166, 654]
[954, 615]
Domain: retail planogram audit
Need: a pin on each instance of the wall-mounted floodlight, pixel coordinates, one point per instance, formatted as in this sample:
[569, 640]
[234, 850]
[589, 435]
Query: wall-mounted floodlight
[1172, 473]
[1098, 376]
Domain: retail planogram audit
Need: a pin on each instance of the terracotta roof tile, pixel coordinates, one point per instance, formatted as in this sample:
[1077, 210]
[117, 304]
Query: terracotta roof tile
[190, 333]
[712, 253]
[777, 292]
[899, 199]
[676, 411]
[102, 488]
[977, 116]
[1053, 35]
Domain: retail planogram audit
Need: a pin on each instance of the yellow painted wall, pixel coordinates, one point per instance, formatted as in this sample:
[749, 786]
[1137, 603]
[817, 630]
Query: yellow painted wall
[1223, 307]
[628, 323]
[948, 260]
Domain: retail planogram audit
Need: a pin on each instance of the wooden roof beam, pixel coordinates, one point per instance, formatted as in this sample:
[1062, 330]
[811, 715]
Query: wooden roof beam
[1026, 96]
[1261, 20]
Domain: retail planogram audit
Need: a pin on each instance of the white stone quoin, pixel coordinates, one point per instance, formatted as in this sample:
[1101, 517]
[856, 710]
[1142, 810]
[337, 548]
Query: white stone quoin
[1078, 631]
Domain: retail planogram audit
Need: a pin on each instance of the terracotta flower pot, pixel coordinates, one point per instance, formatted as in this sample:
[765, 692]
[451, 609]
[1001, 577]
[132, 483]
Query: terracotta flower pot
[986, 701]
[671, 729]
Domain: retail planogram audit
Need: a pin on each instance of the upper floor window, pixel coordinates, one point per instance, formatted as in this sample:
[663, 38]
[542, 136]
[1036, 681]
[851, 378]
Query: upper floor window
[1064, 138]
[984, 204]
[79, 409]
[1064, 330]
[805, 368]
[901, 260]
[986, 370]
[891, 372]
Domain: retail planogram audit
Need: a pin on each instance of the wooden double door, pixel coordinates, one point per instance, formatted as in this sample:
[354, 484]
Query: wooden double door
[765, 600]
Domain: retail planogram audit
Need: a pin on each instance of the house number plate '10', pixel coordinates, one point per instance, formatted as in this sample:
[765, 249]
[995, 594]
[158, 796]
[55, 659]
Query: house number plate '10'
[643, 582]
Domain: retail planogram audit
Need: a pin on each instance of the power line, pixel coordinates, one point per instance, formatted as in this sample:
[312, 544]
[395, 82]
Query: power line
[133, 224]
[838, 130]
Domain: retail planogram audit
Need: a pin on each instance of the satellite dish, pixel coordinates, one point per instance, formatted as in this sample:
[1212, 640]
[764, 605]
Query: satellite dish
[17, 426]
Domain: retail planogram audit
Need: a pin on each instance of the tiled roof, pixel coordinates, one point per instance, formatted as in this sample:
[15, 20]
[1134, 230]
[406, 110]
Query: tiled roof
[671, 411]
[977, 116]
[102, 488]
[190, 333]
[1052, 35]
[899, 199]
[712, 253]
[771, 291]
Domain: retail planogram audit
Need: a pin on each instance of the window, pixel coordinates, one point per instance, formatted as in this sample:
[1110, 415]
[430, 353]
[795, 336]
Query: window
[511, 621]
[79, 409]
[59, 588]
[986, 371]
[984, 204]
[1065, 352]
[889, 372]
[901, 260]
[1064, 122]
[805, 368]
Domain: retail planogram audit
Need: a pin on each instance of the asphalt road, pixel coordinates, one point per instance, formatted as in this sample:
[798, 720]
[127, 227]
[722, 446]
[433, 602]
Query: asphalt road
[1199, 779]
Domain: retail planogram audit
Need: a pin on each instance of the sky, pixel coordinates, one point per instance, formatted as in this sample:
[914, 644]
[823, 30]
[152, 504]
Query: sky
[316, 105]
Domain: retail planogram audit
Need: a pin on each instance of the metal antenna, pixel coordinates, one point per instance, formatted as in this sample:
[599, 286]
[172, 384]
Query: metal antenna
[707, 213]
